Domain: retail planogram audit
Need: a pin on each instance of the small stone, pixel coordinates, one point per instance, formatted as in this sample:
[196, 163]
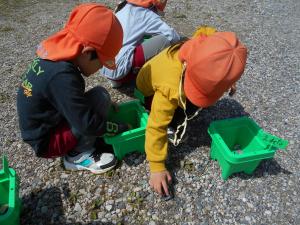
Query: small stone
[77, 207]
[268, 212]
[137, 189]
[181, 163]
[82, 191]
[129, 208]
[188, 210]
[64, 176]
[108, 208]
[101, 215]
[154, 217]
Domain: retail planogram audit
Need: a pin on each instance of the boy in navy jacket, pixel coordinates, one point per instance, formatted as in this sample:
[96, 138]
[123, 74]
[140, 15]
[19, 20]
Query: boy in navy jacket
[56, 116]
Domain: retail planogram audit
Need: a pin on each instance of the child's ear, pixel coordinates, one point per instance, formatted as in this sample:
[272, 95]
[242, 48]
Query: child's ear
[87, 49]
[232, 90]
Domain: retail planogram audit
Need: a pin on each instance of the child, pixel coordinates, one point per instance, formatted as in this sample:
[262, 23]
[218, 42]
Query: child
[139, 18]
[191, 76]
[56, 116]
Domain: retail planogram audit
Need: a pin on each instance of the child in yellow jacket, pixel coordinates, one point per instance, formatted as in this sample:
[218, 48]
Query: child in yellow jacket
[194, 74]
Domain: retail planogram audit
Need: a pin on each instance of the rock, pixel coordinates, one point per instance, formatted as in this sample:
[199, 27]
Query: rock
[77, 207]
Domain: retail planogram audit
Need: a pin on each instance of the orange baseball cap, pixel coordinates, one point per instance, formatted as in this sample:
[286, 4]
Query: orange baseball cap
[213, 64]
[159, 4]
[89, 24]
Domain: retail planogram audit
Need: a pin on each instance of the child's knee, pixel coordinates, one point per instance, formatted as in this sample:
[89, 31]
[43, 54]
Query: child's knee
[99, 98]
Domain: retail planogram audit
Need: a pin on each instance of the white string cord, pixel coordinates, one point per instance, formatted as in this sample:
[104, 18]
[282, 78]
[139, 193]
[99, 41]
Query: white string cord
[177, 140]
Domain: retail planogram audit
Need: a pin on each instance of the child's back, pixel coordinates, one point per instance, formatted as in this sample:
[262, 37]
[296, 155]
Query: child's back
[137, 22]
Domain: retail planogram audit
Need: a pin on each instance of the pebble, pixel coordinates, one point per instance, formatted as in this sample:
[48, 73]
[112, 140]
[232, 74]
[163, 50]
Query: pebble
[108, 207]
[64, 176]
[77, 207]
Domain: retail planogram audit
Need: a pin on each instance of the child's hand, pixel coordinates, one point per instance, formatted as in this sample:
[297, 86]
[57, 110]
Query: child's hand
[159, 182]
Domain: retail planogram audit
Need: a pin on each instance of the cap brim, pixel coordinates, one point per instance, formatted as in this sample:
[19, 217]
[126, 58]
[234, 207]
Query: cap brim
[196, 96]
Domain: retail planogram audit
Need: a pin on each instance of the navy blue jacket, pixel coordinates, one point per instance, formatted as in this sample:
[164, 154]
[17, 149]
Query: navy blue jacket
[51, 92]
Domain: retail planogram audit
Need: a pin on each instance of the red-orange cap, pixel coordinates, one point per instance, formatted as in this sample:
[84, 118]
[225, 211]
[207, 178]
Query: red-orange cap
[159, 4]
[214, 64]
[89, 24]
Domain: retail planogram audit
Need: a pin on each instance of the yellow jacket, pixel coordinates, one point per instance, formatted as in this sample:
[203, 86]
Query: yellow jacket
[160, 78]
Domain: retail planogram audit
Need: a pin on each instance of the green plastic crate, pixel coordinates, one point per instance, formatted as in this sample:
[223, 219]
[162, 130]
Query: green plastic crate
[239, 145]
[10, 203]
[134, 113]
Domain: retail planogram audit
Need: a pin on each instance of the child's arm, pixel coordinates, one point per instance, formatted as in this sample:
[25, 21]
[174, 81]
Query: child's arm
[162, 111]
[155, 25]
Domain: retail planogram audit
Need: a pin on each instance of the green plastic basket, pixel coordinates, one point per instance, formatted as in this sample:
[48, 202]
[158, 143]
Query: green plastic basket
[134, 113]
[239, 145]
[10, 203]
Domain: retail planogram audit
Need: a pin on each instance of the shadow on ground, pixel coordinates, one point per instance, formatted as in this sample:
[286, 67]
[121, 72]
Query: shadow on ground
[197, 129]
[45, 207]
[268, 167]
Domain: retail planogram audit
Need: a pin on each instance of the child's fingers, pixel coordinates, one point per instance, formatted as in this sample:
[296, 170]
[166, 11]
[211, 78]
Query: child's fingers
[169, 177]
[158, 189]
[165, 188]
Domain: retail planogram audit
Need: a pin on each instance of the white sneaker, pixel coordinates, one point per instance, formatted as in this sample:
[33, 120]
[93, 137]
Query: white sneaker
[96, 163]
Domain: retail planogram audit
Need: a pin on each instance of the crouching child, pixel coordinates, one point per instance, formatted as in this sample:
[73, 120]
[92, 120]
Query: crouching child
[57, 117]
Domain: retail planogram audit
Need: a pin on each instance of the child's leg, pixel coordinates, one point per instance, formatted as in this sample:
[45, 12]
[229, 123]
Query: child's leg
[154, 45]
[146, 51]
[62, 141]
[85, 156]
[99, 100]
[64, 138]
[142, 54]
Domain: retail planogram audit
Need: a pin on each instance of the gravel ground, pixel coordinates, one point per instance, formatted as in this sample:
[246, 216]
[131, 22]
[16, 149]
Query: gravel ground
[267, 92]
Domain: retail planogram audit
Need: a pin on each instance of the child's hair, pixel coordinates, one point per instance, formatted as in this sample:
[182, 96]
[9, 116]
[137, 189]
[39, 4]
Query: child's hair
[120, 6]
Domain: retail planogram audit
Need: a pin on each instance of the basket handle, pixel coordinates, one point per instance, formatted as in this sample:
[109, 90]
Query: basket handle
[274, 141]
[5, 167]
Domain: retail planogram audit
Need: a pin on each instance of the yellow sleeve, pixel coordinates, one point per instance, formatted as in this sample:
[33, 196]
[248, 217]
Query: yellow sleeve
[156, 145]
[204, 30]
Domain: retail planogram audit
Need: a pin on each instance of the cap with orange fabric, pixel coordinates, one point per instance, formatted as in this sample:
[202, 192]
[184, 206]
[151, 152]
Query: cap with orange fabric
[213, 64]
[89, 24]
[159, 4]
